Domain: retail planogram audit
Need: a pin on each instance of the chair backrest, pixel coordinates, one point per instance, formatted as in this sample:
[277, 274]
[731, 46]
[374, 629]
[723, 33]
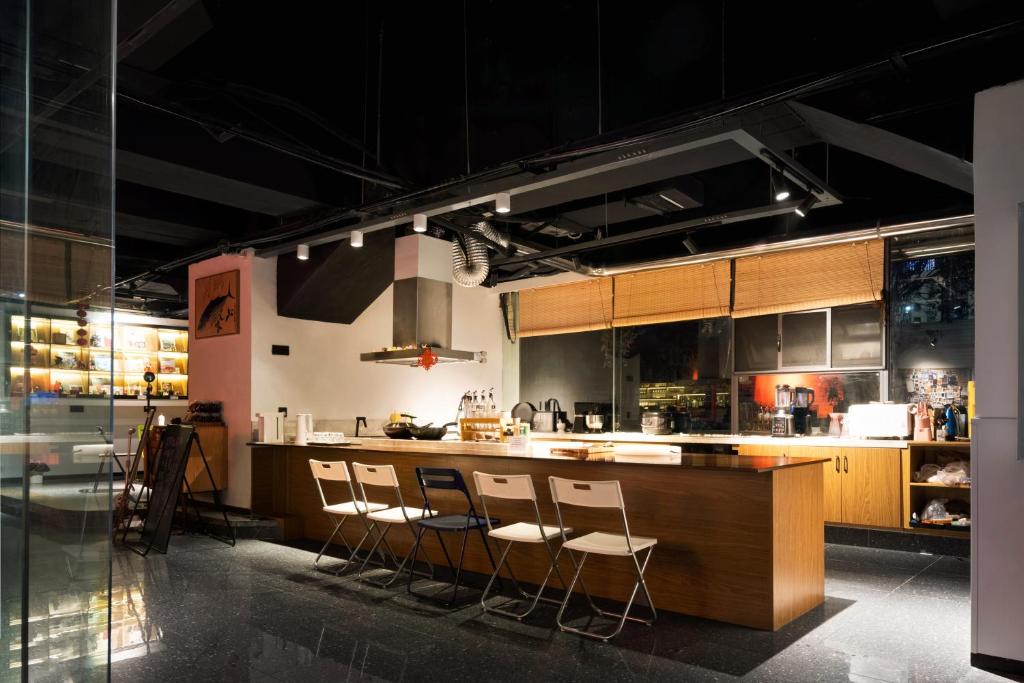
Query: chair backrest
[443, 478]
[330, 471]
[507, 486]
[375, 475]
[591, 494]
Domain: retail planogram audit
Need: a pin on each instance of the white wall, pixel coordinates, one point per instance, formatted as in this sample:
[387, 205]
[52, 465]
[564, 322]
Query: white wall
[324, 376]
[997, 502]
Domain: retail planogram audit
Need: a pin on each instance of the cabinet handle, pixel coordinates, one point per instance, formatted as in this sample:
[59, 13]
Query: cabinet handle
[837, 464]
[846, 464]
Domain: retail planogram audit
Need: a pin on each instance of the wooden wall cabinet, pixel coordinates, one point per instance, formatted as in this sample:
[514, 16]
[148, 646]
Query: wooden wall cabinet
[862, 485]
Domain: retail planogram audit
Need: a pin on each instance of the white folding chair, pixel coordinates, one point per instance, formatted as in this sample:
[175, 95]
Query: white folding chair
[517, 487]
[384, 476]
[338, 472]
[601, 494]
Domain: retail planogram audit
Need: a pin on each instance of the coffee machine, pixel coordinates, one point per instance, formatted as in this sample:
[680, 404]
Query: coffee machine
[803, 400]
[782, 420]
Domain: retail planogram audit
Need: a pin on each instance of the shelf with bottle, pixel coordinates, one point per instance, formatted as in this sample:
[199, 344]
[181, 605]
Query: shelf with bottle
[100, 365]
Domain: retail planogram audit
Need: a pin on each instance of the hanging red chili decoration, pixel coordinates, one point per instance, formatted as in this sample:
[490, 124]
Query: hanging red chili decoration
[428, 359]
[82, 322]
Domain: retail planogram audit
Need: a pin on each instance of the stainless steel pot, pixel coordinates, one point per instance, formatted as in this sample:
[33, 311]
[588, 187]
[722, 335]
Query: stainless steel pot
[656, 422]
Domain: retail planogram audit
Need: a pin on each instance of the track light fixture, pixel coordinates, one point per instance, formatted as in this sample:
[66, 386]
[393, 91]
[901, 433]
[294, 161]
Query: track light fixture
[503, 202]
[419, 222]
[806, 205]
[690, 245]
[780, 188]
[302, 252]
[355, 238]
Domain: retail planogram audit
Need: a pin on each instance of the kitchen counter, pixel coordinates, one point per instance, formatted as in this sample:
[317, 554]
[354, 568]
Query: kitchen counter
[740, 538]
[726, 439]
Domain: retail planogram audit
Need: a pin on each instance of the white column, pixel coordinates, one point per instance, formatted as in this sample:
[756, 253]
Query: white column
[997, 496]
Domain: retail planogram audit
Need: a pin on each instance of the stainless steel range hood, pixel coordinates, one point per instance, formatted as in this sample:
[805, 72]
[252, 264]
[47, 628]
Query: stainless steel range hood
[422, 309]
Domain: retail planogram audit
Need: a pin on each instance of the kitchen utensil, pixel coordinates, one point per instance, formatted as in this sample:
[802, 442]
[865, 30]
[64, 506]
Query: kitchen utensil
[429, 433]
[803, 397]
[783, 396]
[524, 411]
[923, 423]
[401, 428]
[656, 422]
[303, 428]
[270, 427]
[548, 417]
[595, 422]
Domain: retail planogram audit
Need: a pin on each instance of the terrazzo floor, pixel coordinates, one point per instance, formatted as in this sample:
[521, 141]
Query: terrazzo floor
[259, 612]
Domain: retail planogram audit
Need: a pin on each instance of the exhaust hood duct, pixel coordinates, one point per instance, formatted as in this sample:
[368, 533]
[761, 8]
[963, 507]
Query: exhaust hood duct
[422, 308]
[470, 266]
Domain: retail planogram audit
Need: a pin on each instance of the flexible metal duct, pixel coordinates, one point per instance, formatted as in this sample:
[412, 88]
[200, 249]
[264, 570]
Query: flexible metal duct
[470, 267]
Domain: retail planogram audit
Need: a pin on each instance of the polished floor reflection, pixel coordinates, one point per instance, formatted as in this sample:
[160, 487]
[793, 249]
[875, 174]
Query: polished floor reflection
[258, 612]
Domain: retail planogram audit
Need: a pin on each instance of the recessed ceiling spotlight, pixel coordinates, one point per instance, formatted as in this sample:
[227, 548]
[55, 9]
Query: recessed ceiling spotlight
[782, 195]
[419, 222]
[302, 252]
[806, 205]
[503, 202]
[355, 238]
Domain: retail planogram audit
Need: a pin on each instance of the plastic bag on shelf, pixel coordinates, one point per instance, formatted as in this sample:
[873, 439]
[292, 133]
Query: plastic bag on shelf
[956, 472]
[935, 509]
[927, 471]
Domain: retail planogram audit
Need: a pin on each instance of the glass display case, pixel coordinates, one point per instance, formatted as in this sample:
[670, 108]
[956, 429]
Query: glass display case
[56, 357]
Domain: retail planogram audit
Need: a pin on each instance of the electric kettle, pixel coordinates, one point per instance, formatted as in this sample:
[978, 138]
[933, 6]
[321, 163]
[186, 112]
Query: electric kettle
[303, 428]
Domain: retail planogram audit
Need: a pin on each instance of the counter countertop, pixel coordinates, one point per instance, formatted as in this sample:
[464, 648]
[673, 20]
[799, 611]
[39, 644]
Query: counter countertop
[631, 454]
[727, 439]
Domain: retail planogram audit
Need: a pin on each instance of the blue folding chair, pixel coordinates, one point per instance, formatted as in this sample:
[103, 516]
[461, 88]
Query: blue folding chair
[445, 478]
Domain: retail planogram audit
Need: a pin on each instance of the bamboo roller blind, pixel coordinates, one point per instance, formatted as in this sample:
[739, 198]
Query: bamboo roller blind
[672, 294]
[816, 277]
[574, 307]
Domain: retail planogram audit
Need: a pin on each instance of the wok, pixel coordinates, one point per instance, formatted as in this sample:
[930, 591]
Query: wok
[428, 433]
[400, 430]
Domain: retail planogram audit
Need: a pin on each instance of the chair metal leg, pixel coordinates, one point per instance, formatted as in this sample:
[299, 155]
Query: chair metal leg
[316, 562]
[400, 566]
[535, 599]
[624, 616]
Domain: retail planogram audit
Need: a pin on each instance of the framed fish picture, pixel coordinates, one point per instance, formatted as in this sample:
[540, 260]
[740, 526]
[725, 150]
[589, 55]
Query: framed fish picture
[216, 305]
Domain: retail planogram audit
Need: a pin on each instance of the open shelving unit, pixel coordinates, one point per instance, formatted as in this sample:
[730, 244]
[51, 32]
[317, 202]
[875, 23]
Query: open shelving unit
[55, 357]
[917, 494]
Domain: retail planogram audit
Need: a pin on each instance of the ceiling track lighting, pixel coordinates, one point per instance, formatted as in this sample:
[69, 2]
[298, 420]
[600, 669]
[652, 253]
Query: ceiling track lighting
[503, 202]
[780, 190]
[302, 252]
[419, 222]
[355, 238]
[806, 205]
[690, 245]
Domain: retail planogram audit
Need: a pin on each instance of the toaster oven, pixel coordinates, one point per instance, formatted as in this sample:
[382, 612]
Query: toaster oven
[879, 420]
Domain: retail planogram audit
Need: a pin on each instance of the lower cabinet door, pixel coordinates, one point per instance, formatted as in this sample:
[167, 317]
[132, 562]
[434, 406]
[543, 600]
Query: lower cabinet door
[871, 486]
[833, 485]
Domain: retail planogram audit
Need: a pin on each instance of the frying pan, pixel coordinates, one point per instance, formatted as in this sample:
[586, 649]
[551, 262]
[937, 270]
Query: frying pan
[428, 433]
[400, 430]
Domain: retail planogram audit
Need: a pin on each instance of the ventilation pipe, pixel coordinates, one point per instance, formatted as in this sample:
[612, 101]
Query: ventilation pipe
[471, 266]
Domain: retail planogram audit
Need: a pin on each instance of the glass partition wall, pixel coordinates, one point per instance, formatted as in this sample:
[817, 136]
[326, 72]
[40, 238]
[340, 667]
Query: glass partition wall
[56, 261]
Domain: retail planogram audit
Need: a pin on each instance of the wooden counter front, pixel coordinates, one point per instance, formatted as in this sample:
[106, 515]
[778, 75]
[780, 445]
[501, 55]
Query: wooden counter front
[736, 545]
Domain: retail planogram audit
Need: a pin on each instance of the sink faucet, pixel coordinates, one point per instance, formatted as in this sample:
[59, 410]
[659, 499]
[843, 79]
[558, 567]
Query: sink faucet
[360, 420]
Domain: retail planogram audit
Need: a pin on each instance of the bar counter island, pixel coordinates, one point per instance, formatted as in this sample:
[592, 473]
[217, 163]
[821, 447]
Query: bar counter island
[740, 538]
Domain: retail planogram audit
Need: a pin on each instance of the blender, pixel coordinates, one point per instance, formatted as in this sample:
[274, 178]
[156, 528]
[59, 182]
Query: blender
[803, 399]
[782, 420]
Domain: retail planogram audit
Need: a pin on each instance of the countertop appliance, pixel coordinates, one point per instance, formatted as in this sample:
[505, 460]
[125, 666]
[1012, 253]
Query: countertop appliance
[583, 410]
[303, 428]
[656, 422]
[548, 416]
[782, 420]
[879, 420]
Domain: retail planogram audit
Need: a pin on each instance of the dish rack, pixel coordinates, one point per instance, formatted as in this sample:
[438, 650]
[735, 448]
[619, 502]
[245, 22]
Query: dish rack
[327, 438]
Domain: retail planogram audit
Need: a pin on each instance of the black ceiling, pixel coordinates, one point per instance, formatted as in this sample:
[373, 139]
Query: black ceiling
[239, 120]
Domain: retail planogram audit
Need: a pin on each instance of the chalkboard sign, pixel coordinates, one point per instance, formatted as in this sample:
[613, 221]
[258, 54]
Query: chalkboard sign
[171, 458]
